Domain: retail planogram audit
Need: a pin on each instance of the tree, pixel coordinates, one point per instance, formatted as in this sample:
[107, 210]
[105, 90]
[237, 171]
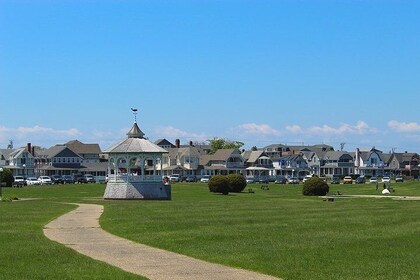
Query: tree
[315, 186]
[219, 184]
[254, 148]
[6, 177]
[221, 143]
[237, 182]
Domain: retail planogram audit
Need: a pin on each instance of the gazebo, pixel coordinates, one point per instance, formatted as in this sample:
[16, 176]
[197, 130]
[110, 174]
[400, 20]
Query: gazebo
[134, 166]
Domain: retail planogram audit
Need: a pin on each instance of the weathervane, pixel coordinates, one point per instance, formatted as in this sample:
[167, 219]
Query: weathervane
[135, 114]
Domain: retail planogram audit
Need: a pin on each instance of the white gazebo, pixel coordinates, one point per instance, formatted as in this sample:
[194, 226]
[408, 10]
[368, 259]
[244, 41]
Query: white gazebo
[134, 167]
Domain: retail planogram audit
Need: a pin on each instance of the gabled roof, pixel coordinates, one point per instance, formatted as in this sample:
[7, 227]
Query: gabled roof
[82, 148]
[252, 156]
[57, 150]
[336, 155]
[164, 142]
[5, 153]
[224, 154]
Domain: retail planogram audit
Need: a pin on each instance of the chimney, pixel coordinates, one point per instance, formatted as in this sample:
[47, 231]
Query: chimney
[33, 151]
[177, 143]
[29, 147]
[191, 143]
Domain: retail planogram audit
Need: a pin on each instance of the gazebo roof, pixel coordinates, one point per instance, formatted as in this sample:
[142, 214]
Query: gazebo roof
[135, 143]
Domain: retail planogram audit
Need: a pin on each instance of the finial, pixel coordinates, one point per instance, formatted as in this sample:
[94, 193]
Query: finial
[135, 114]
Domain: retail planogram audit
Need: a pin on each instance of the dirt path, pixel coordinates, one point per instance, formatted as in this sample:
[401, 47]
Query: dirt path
[80, 230]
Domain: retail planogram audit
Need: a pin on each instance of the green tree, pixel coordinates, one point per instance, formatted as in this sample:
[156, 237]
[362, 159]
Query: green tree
[254, 148]
[221, 143]
[6, 177]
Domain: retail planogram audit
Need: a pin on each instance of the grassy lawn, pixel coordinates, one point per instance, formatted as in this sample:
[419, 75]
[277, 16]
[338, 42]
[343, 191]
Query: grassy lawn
[278, 232]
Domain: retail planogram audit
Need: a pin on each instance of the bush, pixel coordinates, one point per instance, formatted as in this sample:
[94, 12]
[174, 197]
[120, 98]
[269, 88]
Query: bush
[219, 184]
[237, 183]
[6, 178]
[315, 187]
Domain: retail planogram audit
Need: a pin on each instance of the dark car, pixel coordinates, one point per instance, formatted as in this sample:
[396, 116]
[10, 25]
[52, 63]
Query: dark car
[335, 180]
[80, 178]
[68, 179]
[263, 180]
[360, 180]
[280, 180]
[191, 178]
[57, 179]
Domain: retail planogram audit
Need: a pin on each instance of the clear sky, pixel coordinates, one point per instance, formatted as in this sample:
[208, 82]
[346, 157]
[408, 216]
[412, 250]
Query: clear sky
[260, 72]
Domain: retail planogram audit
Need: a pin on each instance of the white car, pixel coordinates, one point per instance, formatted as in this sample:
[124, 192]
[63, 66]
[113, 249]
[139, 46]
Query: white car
[32, 181]
[205, 179]
[386, 179]
[19, 181]
[45, 180]
[373, 180]
[250, 180]
[174, 178]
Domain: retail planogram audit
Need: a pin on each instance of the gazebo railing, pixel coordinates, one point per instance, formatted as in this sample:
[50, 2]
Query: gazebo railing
[134, 178]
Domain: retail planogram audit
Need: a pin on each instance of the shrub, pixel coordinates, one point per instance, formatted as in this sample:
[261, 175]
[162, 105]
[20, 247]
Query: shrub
[219, 184]
[315, 187]
[237, 183]
[6, 178]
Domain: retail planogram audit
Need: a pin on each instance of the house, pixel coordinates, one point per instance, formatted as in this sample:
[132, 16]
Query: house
[19, 161]
[183, 161]
[89, 152]
[258, 164]
[337, 163]
[314, 160]
[165, 144]
[58, 160]
[223, 162]
[292, 166]
[369, 162]
[404, 164]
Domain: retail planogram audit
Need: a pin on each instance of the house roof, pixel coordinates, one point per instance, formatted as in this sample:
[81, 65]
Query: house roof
[336, 155]
[5, 153]
[164, 142]
[82, 148]
[55, 150]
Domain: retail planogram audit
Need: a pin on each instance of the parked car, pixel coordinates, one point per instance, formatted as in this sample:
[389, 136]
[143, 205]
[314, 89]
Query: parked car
[307, 177]
[335, 180]
[263, 180]
[80, 178]
[90, 178]
[45, 180]
[191, 178]
[293, 180]
[348, 180]
[205, 179]
[360, 180]
[175, 178]
[373, 180]
[250, 180]
[32, 181]
[57, 179]
[19, 181]
[68, 179]
[386, 179]
[280, 180]
[399, 179]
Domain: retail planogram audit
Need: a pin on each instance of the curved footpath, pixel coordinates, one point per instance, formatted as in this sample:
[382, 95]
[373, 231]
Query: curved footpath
[80, 230]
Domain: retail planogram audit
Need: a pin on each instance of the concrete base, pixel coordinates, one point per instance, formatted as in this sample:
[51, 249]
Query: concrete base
[138, 190]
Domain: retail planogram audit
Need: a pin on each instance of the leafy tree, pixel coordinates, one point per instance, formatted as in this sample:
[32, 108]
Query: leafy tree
[6, 177]
[315, 186]
[254, 148]
[237, 183]
[221, 143]
[219, 184]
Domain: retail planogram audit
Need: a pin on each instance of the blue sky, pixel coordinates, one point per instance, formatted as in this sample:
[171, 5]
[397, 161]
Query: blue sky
[260, 72]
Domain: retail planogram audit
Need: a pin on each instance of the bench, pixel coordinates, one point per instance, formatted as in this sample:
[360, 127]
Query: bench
[265, 187]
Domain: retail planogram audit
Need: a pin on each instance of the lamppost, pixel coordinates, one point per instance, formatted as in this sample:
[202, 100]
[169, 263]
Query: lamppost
[1, 179]
[24, 170]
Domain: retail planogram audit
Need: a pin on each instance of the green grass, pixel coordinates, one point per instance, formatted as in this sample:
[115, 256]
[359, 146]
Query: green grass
[25, 253]
[278, 232]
